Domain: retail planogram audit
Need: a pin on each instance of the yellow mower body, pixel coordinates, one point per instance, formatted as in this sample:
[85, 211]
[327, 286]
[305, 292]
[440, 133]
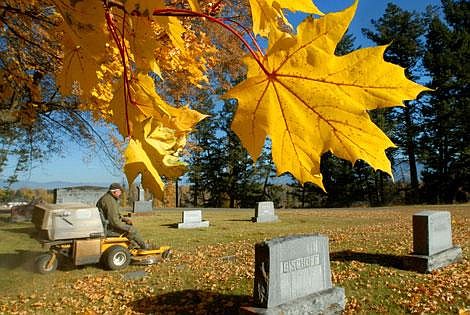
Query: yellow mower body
[113, 253]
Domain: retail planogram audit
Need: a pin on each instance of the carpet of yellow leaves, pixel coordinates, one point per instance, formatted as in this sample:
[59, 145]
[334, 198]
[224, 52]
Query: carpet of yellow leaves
[214, 276]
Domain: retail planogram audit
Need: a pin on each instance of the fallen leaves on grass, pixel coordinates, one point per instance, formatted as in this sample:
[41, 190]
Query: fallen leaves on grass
[437, 291]
[214, 277]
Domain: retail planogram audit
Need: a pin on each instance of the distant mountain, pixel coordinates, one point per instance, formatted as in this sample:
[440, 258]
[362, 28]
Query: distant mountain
[51, 185]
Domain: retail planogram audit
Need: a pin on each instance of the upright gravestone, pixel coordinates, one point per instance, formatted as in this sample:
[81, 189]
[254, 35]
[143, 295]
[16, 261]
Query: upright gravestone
[264, 212]
[432, 242]
[141, 205]
[82, 194]
[292, 276]
[192, 219]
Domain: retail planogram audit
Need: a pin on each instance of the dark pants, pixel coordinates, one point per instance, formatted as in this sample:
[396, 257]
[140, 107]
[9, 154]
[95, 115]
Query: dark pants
[132, 234]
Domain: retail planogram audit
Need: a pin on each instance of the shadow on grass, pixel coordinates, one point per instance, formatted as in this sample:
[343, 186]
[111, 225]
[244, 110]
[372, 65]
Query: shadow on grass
[240, 220]
[385, 260]
[5, 219]
[19, 259]
[171, 225]
[29, 230]
[191, 302]
[26, 259]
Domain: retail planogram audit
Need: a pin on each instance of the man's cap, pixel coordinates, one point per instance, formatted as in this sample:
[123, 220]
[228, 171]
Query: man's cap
[115, 186]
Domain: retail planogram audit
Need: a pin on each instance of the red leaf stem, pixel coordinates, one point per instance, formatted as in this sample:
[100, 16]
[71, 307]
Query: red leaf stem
[121, 47]
[189, 13]
[247, 32]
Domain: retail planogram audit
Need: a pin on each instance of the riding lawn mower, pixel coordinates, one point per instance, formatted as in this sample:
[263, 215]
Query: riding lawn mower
[75, 232]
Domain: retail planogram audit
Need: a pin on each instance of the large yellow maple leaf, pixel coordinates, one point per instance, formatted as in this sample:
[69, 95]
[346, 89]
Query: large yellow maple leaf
[152, 153]
[309, 101]
[134, 103]
[266, 14]
[157, 131]
[143, 43]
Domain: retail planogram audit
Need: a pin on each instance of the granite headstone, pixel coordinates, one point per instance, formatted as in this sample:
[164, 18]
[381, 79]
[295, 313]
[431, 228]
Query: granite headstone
[192, 219]
[292, 276]
[264, 212]
[83, 194]
[141, 205]
[432, 242]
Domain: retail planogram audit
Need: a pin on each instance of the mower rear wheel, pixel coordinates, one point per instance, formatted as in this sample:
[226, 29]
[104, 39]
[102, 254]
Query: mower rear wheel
[167, 254]
[116, 257]
[46, 263]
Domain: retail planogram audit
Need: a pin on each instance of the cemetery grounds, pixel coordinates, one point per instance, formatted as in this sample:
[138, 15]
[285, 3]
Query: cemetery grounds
[212, 269]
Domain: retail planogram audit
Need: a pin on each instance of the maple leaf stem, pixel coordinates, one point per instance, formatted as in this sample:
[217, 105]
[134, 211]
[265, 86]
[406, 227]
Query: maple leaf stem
[122, 51]
[219, 21]
[247, 32]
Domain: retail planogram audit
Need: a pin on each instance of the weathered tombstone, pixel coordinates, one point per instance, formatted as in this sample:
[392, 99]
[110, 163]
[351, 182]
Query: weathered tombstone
[264, 212]
[432, 242]
[83, 194]
[141, 205]
[192, 219]
[292, 276]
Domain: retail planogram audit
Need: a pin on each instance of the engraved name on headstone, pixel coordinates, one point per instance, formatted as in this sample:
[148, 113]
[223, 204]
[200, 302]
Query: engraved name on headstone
[84, 194]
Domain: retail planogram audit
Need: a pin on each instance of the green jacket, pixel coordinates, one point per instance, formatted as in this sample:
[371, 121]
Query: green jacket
[109, 206]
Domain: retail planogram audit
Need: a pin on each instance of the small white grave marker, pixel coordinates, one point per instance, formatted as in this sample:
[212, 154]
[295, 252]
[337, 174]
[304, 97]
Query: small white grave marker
[264, 212]
[192, 219]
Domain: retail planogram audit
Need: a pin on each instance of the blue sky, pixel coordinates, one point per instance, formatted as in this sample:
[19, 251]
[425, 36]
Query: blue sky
[79, 167]
[371, 9]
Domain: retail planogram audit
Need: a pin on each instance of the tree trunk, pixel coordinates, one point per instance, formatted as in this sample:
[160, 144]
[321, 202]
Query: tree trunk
[410, 150]
[303, 196]
[177, 197]
[195, 193]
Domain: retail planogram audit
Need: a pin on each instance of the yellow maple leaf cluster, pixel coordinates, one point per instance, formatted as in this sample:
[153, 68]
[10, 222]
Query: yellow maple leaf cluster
[302, 96]
[108, 53]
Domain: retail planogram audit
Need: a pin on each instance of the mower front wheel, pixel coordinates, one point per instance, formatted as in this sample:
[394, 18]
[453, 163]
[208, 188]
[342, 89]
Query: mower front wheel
[46, 263]
[116, 257]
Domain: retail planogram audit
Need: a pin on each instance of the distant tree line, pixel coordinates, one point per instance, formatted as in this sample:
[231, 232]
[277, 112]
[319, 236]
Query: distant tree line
[431, 163]
[26, 195]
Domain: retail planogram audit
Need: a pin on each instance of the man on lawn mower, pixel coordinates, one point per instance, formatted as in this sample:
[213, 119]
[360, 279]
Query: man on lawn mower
[109, 207]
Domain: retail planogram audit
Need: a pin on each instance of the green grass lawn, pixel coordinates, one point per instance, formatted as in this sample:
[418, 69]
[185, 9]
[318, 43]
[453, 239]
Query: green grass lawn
[212, 270]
